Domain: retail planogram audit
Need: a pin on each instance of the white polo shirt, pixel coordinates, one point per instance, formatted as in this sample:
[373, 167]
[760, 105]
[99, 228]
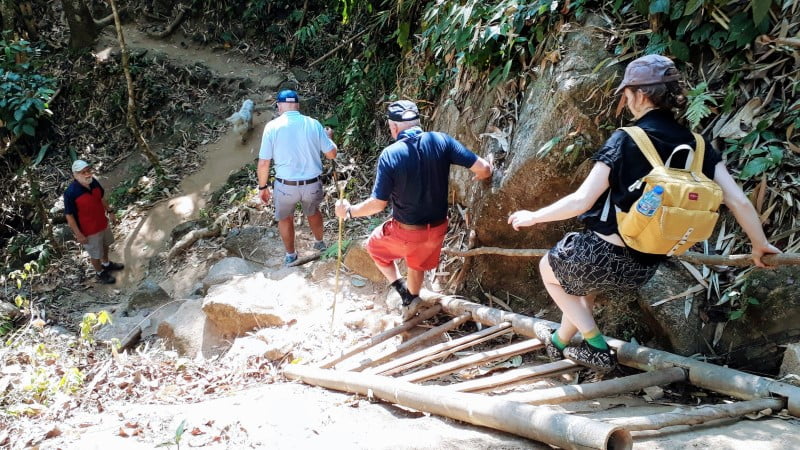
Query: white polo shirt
[294, 142]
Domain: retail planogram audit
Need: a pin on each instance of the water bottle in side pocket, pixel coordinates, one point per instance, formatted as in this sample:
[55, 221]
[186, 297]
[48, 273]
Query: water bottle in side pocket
[650, 201]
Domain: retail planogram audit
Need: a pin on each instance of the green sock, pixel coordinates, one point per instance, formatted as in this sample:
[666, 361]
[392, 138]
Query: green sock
[595, 339]
[557, 342]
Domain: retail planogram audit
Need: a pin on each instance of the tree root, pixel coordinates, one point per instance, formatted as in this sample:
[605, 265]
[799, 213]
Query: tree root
[172, 26]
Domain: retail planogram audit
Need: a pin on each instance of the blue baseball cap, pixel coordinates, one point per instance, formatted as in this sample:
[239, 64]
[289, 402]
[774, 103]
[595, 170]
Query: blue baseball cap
[288, 96]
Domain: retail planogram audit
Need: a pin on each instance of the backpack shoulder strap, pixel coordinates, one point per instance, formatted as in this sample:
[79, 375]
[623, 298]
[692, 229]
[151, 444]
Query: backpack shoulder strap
[645, 145]
[699, 154]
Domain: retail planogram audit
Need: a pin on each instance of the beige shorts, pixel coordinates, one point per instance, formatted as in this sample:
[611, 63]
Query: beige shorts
[287, 197]
[97, 242]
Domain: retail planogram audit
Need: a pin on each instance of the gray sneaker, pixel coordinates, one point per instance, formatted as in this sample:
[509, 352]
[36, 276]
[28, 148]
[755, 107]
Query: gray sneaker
[545, 334]
[586, 355]
[320, 246]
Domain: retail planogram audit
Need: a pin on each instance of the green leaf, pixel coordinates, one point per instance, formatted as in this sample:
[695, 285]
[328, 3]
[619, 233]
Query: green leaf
[756, 166]
[753, 301]
[760, 10]
[545, 149]
[42, 152]
[679, 50]
[659, 6]
[736, 314]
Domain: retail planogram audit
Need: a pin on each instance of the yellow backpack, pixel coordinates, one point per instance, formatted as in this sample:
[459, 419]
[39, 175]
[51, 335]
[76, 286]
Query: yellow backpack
[689, 203]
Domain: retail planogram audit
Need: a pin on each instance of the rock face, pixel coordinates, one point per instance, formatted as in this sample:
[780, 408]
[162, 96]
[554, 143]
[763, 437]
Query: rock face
[148, 294]
[556, 105]
[755, 340]
[254, 242]
[226, 269]
[253, 302]
[190, 332]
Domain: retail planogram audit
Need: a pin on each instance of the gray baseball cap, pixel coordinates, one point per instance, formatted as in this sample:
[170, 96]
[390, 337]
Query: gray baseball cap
[79, 165]
[650, 69]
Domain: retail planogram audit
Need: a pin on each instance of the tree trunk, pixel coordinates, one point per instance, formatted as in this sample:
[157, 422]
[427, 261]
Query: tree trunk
[9, 14]
[133, 123]
[26, 10]
[82, 29]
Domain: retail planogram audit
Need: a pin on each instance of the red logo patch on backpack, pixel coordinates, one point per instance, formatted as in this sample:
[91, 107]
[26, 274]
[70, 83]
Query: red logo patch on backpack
[694, 196]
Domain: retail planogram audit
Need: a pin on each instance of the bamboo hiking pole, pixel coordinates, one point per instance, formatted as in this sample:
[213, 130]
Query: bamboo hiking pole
[340, 185]
[781, 259]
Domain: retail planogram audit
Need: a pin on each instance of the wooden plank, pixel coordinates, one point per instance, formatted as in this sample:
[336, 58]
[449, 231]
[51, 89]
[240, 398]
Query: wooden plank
[512, 376]
[441, 350]
[588, 391]
[480, 358]
[453, 323]
[388, 334]
[698, 414]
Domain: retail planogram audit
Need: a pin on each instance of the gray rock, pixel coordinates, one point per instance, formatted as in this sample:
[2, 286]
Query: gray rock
[147, 295]
[271, 81]
[675, 331]
[791, 361]
[121, 327]
[226, 269]
[251, 242]
[63, 233]
[190, 332]
[358, 260]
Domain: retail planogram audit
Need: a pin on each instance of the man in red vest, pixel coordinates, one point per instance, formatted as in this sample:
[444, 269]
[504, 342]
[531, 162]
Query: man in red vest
[88, 215]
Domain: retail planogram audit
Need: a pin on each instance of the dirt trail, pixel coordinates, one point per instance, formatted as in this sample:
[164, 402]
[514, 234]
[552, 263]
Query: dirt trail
[223, 157]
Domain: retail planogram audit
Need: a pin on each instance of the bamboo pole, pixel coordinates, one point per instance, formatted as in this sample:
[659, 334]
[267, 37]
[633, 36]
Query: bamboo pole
[474, 360]
[702, 374]
[588, 391]
[425, 315]
[411, 343]
[698, 415]
[440, 351]
[781, 259]
[513, 376]
[538, 423]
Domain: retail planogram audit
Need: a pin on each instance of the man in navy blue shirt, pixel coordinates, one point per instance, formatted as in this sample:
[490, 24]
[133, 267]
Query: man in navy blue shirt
[413, 173]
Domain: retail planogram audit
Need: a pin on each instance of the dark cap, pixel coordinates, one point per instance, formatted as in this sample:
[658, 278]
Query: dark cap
[402, 111]
[650, 69]
[288, 96]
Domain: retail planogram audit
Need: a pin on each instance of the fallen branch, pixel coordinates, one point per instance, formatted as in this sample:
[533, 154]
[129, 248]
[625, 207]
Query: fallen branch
[172, 26]
[109, 19]
[782, 259]
[10, 311]
[306, 259]
[336, 49]
[193, 236]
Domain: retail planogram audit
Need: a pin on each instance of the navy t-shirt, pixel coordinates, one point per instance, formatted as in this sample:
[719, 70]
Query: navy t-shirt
[414, 173]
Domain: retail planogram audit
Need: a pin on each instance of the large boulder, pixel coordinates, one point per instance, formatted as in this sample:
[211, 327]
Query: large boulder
[670, 325]
[556, 106]
[358, 260]
[255, 301]
[148, 294]
[227, 269]
[190, 332]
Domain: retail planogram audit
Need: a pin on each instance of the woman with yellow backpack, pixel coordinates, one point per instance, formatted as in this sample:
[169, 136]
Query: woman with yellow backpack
[638, 210]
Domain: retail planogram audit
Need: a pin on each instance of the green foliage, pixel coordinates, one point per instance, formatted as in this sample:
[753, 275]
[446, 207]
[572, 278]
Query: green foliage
[176, 439]
[332, 252]
[91, 323]
[311, 30]
[698, 109]
[24, 92]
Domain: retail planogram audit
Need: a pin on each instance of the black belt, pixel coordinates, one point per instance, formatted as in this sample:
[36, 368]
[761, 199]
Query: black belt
[297, 183]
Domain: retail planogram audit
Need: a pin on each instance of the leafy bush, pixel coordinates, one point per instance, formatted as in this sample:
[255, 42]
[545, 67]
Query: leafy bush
[24, 93]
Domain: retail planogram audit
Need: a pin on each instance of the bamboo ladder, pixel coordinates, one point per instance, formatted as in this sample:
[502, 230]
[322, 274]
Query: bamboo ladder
[398, 375]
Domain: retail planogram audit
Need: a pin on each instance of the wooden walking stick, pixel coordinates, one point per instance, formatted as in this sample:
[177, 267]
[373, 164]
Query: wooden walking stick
[340, 185]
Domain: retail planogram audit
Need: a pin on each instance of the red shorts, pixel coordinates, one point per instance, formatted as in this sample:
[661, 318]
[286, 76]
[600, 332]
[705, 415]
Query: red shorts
[420, 248]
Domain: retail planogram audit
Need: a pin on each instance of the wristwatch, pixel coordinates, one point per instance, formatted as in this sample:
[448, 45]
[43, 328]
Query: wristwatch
[261, 188]
[348, 214]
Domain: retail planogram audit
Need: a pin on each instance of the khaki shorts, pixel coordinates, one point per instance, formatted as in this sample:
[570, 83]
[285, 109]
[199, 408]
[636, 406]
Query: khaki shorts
[98, 242]
[286, 197]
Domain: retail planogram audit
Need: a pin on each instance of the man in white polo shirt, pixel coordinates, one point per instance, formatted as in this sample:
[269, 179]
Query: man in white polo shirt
[294, 142]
